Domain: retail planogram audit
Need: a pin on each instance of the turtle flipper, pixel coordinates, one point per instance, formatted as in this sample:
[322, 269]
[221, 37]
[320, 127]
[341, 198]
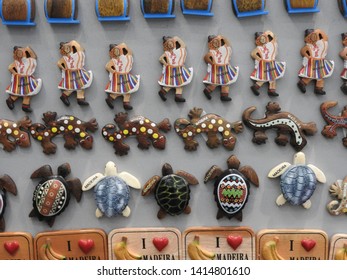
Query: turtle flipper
[212, 173]
[280, 200]
[126, 212]
[238, 216]
[319, 173]
[250, 174]
[150, 185]
[187, 210]
[279, 169]
[161, 214]
[75, 187]
[189, 177]
[307, 204]
[33, 213]
[131, 180]
[8, 184]
[92, 181]
[2, 224]
[42, 172]
[220, 214]
[98, 213]
[64, 170]
[51, 221]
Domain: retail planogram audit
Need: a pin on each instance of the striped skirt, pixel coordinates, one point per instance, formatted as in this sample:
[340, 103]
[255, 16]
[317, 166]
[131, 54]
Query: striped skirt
[75, 79]
[175, 76]
[266, 71]
[123, 83]
[317, 69]
[24, 85]
[221, 75]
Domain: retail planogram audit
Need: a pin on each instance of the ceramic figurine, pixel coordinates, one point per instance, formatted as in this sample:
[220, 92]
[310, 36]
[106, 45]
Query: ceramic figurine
[74, 131]
[158, 8]
[17, 12]
[14, 133]
[266, 69]
[145, 130]
[315, 66]
[51, 196]
[6, 185]
[231, 187]
[61, 11]
[212, 125]
[174, 75]
[302, 6]
[343, 7]
[219, 71]
[122, 82]
[112, 10]
[23, 82]
[343, 55]
[298, 181]
[283, 122]
[339, 191]
[247, 8]
[333, 121]
[74, 77]
[112, 191]
[197, 7]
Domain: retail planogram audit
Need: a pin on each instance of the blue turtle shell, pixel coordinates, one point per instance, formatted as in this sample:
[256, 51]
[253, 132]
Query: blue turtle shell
[298, 183]
[112, 195]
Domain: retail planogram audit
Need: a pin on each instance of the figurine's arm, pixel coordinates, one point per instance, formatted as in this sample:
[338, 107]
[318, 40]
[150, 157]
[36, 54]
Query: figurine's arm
[12, 68]
[305, 52]
[179, 40]
[255, 54]
[61, 64]
[163, 59]
[226, 41]
[110, 67]
[343, 54]
[32, 54]
[209, 58]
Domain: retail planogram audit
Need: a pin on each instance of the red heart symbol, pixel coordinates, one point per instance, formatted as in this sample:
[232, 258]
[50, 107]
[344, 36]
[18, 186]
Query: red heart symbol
[308, 244]
[86, 245]
[234, 241]
[11, 247]
[160, 243]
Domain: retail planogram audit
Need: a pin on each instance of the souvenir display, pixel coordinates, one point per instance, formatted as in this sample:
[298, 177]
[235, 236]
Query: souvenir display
[302, 6]
[122, 82]
[343, 7]
[285, 123]
[17, 12]
[6, 185]
[231, 187]
[52, 194]
[112, 10]
[298, 181]
[338, 247]
[211, 125]
[266, 69]
[172, 191]
[343, 55]
[219, 71]
[174, 75]
[23, 82]
[14, 133]
[315, 65]
[112, 191]
[197, 7]
[158, 8]
[146, 131]
[74, 131]
[248, 8]
[75, 79]
[61, 11]
[334, 122]
[16, 246]
[338, 190]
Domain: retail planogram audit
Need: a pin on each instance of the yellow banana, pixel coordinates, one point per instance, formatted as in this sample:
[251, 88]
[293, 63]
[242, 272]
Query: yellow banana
[42, 252]
[131, 256]
[196, 252]
[270, 252]
[121, 251]
[341, 253]
[54, 254]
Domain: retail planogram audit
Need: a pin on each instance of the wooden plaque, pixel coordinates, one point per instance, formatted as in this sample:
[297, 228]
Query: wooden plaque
[338, 247]
[16, 246]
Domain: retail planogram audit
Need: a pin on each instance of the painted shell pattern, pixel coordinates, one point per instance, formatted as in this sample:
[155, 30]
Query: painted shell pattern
[112, 195]
[298, 184]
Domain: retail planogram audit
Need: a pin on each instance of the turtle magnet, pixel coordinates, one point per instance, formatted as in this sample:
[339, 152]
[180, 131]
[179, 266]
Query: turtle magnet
[6, 185]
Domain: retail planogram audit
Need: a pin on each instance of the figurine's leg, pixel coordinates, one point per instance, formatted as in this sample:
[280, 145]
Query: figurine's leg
[208, 90]
[110, 98]
[212, 141]
[162, 92]
[259, 137]
[80, 98]
[272, 89]
[178, 95]
[281, 139]
[344, 87]
[319, 87]
[303, 82]
[126, 102]
[65, 97]
[10, 101]
[70, 142]
[144, 143]
[255, 88]
[26, 104]
[224, 95]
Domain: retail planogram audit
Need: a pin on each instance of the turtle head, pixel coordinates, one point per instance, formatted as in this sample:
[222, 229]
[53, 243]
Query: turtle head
[299, 158]
[111, 169]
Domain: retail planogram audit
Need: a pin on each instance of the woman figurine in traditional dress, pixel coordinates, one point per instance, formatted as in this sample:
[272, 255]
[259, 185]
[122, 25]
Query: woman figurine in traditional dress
[343, 55]
[315, 66]
[74, 77]
[267, 69]
[23, 83]
[122, 82]
[174, 75]
[219, 71]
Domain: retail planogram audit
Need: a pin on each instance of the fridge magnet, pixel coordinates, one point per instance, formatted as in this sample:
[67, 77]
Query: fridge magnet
[210, 124]
[266, 69]
[231, 187]
[112, 191]
[298, 181]
[174, 75]
[343, 55]
[16, 246]
[61, 11]
[315, 65]
[285, 123]
[6, 185]
[302, 6]
[145, 244]
[112, 10]
[17, 12]
[338, 191]
[248, 8]
[334, 122]
[171, 190]
[23, 82]
[52, 194]
[197, 7]
[292, 244]
[158, 8]
[338, 247]
[343, 7]
[219, 71]
[122, 83]
[75, 79]
[13, 134]
[74, 131]
[146, 131]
